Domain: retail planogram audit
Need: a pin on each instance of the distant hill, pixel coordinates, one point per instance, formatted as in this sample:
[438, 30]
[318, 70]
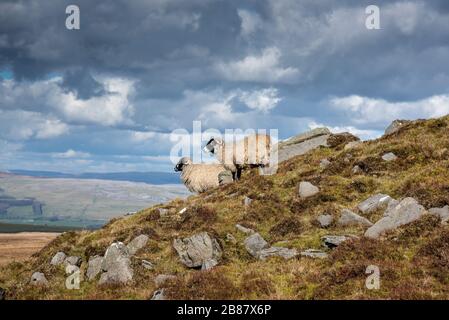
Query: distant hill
[146, 177]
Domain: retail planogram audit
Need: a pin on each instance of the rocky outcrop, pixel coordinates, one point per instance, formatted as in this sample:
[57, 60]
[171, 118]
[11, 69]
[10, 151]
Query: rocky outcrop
[58, 259]
[306, 189]
[254, 244]
[116, 265]
[38, 279]
[137, 243]
[408, 210]
[395, 126]
[94, 267]
[349, 218]
[197, 250]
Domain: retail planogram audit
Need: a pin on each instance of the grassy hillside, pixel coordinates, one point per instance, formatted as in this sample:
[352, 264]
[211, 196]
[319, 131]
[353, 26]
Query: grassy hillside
[413, 260]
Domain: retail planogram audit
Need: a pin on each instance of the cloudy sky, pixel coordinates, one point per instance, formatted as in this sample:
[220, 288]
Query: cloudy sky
[106, 97]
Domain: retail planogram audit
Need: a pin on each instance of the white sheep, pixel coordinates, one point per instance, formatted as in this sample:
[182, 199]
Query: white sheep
[252, 151]
[201, 177]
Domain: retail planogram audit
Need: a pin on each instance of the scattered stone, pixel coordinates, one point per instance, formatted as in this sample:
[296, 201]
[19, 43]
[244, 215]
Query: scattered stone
[159, 294]
[58, 259]
[443, 213]
[230, 238]
[137, 243]
[38, 279]
[391, 205]
[390, 156]
[117, 265]
[325, 220]
[2, 294]
[244, 229]
[73, 260]
[314, 253]
[282, 252]
[349, 218]
[357, 170]
[334, 241]
[408, 210]
[147, 265]
[395, 126]
[197, 249]
[209, 264]
[254, 244]
[375, 202]
[94, 267]
[247, 201]
[352, 144]
[306, 189]
[162, 278]
[324, 163]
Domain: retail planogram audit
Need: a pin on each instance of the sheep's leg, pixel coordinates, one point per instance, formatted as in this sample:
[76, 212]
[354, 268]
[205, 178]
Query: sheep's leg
[234, 175]
[239, 173]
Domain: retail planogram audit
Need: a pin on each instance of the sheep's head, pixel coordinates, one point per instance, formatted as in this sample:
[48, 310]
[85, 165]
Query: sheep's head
[184, 161]
[213, 145]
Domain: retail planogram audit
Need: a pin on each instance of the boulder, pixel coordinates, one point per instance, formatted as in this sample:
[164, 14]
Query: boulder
[147, 265]
[244, 229]
[73, 260]
[162, 278]
[352, 144]
[38, 279]
[58, 259]
[408, 210]
[137, 243]
[159, 294]
[391, 205]
[325, 220]
[254, 244]
[390, 156]
[349, 218]
[195, 250]
[94, 267]
[324, 163]
[306, 189]
[282, 252]
[395, 126]
[443, 213]
[375, 202]
[117, 265]
[331, 241]
[314, 253]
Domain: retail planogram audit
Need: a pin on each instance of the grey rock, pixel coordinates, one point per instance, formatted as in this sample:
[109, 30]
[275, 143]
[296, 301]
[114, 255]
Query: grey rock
[247, 201]
[390, 156]
[282, 252]
[443, 213]
[306, 136]
[391, 205]
[324, 163]
[209, 264]
[159, 294]
[197, 249]
[244, 229]
[254, 244]
[331, 241]
[314, 253]
[147, 265]
[325, 220]
[408, 210]
[73, 260]
[2, 294]
[349, 218]
[137, 243]
[94, 267]
[357, 170]
[38, 279]
[58, 259]
[352, 144]
[162, 278]
[306, 189]
[375, 202]
[117, 265]
[395, 126]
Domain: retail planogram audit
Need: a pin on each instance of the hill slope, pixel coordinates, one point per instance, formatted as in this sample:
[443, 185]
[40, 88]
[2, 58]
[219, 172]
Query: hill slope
[413, 259]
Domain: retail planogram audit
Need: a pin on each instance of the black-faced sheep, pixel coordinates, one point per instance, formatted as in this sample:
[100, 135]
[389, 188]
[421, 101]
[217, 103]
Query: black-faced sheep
[200, 177]
[252, 151]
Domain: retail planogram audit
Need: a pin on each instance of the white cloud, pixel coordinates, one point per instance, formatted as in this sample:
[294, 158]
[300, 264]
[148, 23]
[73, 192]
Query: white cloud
[71, 154]
[364, 110]
[261, 100]
[258, 68]
[250, 22]
[138, 136]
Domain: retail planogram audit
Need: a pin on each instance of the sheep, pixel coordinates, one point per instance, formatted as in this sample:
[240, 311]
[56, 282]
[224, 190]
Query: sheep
[250, 152]
[199, 178]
